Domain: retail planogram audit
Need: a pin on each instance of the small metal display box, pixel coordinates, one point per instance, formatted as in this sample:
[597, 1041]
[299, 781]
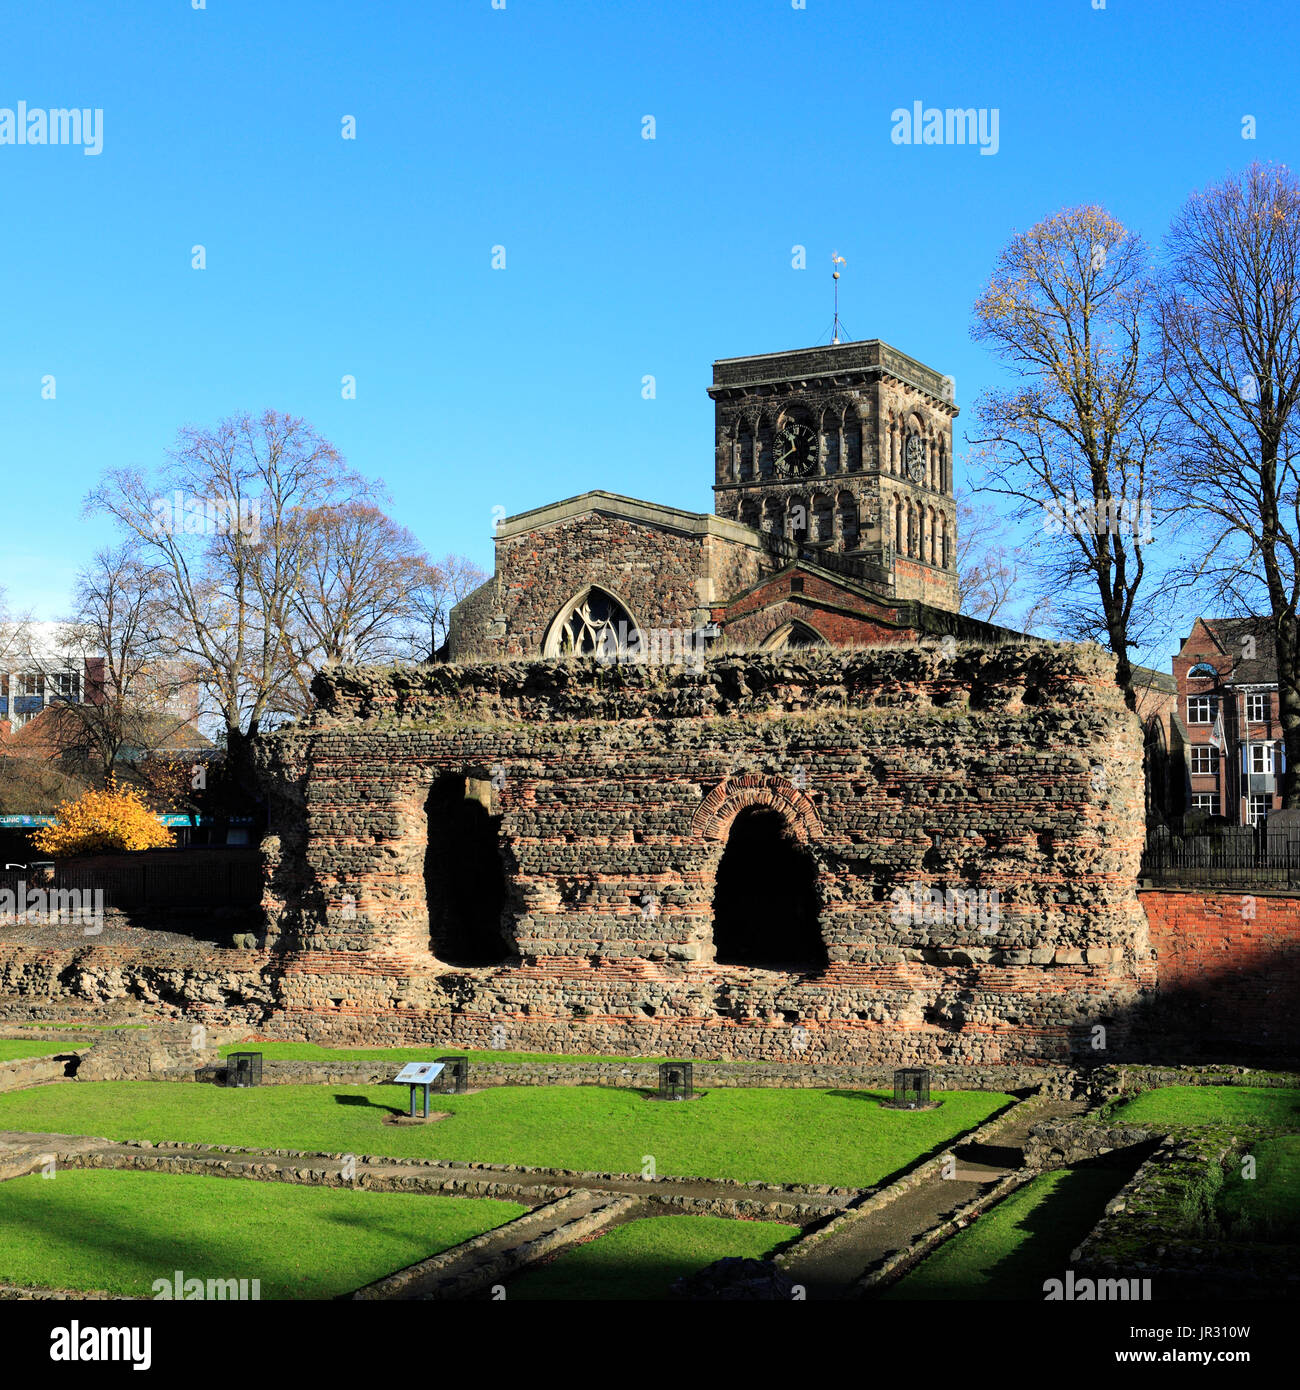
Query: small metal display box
[420, 1077]
[676, 1081]
[244, 1069]
[455, 1075]
[911, 1088]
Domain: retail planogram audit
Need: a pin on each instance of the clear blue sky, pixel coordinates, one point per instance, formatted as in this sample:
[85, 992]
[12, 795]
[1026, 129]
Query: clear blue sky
[522, 127]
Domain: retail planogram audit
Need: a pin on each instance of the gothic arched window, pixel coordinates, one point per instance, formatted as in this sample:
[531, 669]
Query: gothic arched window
[594, 623]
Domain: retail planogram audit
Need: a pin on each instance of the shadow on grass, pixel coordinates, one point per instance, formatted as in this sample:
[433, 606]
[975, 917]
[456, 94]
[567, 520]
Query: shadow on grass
[366, 1103]
[1036, 1247]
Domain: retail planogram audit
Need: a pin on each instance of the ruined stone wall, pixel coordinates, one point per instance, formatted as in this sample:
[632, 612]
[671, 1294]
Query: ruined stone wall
[1013, 770]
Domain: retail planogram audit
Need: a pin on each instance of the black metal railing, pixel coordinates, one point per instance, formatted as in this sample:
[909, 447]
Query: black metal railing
[1240, 856]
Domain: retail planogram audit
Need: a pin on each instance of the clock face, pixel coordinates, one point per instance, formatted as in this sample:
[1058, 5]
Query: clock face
[796, 451]
[915, 458]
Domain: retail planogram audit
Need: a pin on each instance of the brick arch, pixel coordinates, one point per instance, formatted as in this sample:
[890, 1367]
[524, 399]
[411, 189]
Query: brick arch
[712, 820]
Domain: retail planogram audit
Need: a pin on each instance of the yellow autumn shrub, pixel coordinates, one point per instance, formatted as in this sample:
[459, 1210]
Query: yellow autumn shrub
[114, 818]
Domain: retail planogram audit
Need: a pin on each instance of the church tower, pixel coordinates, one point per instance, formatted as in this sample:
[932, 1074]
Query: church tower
[843, 453]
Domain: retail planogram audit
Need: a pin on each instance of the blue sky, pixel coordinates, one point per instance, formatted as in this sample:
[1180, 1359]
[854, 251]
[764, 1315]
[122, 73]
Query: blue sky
[625, 257]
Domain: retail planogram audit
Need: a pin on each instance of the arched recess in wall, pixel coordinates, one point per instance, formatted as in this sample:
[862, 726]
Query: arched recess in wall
[593, 622]
[744, 452]
[766, 905]
[464, 875]
[792, 635]
[1156, 769]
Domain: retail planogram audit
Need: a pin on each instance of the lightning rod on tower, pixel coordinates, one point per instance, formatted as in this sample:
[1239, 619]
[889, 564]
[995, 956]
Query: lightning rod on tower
[836, 261]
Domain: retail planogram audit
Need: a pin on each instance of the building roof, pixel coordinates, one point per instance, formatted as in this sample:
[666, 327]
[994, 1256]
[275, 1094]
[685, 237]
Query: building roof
[58, 729]
[1230, 634]
[654, 514]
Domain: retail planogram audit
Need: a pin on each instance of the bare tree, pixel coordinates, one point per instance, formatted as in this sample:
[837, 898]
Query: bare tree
[366, 584]
[454, 578]
[221, 520]
[991, 578]
[1076, 442]
[118, 629]
[13, 633]
[1230, 339]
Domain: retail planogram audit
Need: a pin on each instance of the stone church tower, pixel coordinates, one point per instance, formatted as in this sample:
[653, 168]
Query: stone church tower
[843, 450]
[833, 523]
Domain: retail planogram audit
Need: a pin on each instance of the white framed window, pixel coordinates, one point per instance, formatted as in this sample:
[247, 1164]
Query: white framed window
[1259, 809]
[67, 684]
[31, 683]
[1205, 759]
[1206, 801]
[1256, 707]
[1261, 757]
[1200, 709]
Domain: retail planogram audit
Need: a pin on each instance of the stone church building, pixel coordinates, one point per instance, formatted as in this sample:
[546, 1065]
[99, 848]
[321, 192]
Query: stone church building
[833, 837]
[834, 523]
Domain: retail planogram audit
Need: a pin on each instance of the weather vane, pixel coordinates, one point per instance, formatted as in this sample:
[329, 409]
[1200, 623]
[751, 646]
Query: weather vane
[836, 261]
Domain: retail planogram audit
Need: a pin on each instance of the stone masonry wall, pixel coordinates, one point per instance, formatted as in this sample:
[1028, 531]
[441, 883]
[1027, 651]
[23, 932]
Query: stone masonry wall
[1014, 770]
[662, 576]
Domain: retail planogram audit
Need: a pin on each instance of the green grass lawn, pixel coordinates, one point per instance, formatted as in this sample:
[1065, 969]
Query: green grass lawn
[1267, 1206]
[18, 1047]
[641, 1259]
[315, 1052]
[1213, 1105]
[1024, 1240]
[775, 1135]
[119, 1232]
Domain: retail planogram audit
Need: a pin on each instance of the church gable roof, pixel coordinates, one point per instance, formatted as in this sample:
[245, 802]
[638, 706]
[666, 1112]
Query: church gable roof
[652, 514]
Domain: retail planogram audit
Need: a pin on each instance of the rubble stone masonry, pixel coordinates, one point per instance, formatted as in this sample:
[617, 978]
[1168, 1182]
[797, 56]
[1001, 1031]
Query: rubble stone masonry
[904, 774]
[900, 772]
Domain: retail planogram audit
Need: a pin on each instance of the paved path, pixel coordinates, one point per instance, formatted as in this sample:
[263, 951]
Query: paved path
[833, 1265]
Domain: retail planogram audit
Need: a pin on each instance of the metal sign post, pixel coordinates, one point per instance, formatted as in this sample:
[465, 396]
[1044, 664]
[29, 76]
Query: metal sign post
[419, 1076]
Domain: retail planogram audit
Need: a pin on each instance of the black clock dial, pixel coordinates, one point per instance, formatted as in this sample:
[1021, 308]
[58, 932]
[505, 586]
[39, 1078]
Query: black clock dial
[796, 451]
[915, 459]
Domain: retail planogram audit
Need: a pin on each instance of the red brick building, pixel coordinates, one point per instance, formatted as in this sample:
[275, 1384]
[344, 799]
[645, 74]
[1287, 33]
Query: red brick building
[1228, 719]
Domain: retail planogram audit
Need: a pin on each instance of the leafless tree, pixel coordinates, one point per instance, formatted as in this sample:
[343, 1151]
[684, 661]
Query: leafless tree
[1230, 339]
[119, 621]
[992, 583]
[366, 587]
[1075, 443]
[221, 520]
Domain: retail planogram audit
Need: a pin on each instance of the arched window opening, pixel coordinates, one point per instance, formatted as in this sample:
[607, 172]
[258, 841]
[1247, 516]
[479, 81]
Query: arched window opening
[594, 624]
[823, 519]
[464, 879]
[745, 455]
[831, 442]
[847, 508]
[773, 515]
[765, 902]
[852, 444]
[765, 457]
